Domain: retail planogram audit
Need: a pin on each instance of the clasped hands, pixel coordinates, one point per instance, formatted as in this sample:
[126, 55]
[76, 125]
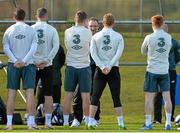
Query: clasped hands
[41, 65]
[19, 64]
[106, 70]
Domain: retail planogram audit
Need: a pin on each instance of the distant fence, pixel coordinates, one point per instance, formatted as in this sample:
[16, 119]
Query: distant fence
[117, 21]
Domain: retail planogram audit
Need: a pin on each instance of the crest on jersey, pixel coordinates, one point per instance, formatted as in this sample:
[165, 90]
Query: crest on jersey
[161, 44]
[76, 39]
[76, 47]
[20, 36]
[106, 48]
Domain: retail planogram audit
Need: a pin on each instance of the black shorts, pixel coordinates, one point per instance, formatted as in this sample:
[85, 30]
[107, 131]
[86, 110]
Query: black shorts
[46, 76]
[99, 83]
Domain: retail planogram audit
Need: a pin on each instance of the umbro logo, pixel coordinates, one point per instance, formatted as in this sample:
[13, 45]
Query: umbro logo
[40, 41]
[160, 50]
[106, 48]
[76, 47]
[20, 37]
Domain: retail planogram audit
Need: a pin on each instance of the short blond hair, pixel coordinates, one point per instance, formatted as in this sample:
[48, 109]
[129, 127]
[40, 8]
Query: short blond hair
[157, 20]
[108, 19]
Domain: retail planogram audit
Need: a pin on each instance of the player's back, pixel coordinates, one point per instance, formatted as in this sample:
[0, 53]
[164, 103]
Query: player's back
[45, 33]
[107, 43]
[77, 41]
[159, 45]
[20, 37]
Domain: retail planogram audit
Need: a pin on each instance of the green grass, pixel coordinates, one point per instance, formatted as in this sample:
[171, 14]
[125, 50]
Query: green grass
[104, 127]
[132, 95]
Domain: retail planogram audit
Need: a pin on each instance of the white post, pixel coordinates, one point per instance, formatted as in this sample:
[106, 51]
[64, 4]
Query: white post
[141, 18]
[14, 3]
[52, 9]
[161, 8]
[46, 4]
[29, 9]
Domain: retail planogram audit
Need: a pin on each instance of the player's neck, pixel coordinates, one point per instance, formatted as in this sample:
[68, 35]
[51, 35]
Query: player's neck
[156, 28]
[41, 20]
[79, 24]
[19, 21]
[108, 27]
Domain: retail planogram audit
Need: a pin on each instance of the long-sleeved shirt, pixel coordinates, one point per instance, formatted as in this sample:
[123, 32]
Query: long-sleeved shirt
[173, 54]
[48, 42]
[77, 41]
[20, 43]
[157, 47]
[106, 48]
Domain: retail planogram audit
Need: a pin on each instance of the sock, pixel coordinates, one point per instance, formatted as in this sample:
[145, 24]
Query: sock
[86, 119]
[66, 119]
[120, 121]
[48, 119]
[28, 121]
[26, 116]
[168, 119]
[9, 120]
[91, 119]
[31, 120]
[55, 105]
[148, 120]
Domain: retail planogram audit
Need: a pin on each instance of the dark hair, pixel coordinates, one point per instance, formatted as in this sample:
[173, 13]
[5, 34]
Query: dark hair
[19, 14]
[157, 20]
[41, 12]
[108, 19]
[80, 16]
[94, 19]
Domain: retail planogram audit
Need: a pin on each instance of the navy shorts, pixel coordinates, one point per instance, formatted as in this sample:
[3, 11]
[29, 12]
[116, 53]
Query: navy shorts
[77, 76]
[14, 76]
[156, 82]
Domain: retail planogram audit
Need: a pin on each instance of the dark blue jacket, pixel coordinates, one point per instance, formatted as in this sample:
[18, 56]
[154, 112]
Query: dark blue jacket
[174, 55]
[58, 62]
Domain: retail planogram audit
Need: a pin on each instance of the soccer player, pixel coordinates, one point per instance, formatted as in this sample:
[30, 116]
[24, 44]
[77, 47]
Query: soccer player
[106, 49]
[20, 43]
[173, 59]
[48, 45]
[78, 71]
[58, 63]
[157, 46]
[93, 25]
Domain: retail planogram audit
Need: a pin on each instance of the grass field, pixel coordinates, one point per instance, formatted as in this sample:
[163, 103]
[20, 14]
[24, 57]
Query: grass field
[132, 95]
